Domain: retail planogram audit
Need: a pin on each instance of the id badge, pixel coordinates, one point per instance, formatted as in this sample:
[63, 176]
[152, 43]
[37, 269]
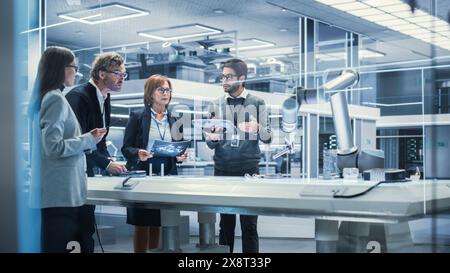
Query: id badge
[235, 141]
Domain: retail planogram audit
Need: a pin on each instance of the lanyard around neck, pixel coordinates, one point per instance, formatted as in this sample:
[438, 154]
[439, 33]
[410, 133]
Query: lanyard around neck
[163, 135]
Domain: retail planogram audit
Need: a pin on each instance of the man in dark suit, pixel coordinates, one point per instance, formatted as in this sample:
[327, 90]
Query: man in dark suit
[92, 105]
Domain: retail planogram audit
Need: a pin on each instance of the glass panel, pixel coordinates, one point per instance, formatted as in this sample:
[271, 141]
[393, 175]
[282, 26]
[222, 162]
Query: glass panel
[396, 90]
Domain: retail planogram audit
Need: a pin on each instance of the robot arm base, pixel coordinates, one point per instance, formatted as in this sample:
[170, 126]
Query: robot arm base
[363, 160]
[370, 159]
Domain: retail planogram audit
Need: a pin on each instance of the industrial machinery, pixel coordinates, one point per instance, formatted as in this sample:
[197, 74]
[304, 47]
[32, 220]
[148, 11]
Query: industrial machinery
[348, 155]
[290, 109]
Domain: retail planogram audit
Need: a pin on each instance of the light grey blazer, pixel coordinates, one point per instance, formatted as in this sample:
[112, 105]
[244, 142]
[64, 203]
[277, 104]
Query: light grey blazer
[58, 163]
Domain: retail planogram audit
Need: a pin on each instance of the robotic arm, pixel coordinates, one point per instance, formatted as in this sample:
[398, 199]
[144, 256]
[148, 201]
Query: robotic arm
[348, 154]
[290, 109]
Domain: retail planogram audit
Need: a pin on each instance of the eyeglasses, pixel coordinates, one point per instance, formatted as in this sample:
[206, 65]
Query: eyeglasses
[227, 77]
[162, 90]
[119, 74]
[74, 66]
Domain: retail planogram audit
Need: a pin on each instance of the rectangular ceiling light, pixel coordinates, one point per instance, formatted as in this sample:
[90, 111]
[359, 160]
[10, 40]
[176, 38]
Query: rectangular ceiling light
[379, 3]
[395, 22]
[409, 15]
[421, 19]
[58, 24]
[440, 24]
[380, 17]
[397, 15]
[369, 53]
[392, 104]
[441, 39]
[428, 25]
[333, 2]
[253, 43]
[351, 6]
[403, 28]
[179, 32]
[336, 56]
[366, 12]
[271, 52]
[417, 31]
[103, 14]
[396, 8]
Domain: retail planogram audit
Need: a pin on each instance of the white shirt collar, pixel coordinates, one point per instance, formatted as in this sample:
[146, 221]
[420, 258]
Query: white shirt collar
[100, 97]
[154, 114]
[244, 95]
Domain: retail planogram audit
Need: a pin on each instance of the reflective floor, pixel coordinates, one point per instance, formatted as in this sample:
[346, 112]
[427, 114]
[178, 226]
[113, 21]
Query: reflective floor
[124, 244]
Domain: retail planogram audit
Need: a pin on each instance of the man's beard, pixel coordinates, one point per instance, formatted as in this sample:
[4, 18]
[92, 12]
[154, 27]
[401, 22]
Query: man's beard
[115, 88]
[112, 86]
[233, 88]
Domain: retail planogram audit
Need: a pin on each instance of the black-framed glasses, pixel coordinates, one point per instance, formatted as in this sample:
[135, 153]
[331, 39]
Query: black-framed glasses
[119, 74]
[227, 77]
[74, 66]
[162, 90]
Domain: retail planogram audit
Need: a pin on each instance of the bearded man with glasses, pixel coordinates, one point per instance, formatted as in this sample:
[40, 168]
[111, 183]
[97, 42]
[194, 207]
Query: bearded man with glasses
[91, 104]
[237, 153]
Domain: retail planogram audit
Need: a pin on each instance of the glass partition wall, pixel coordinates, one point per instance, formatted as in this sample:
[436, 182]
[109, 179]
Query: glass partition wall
[398, 106]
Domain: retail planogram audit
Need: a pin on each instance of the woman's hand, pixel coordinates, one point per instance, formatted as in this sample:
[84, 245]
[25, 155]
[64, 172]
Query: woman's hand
[144, 155]
[98, 134]
[182, 157]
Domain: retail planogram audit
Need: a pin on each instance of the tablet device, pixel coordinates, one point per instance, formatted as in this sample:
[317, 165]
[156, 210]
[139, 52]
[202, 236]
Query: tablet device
[169, 149]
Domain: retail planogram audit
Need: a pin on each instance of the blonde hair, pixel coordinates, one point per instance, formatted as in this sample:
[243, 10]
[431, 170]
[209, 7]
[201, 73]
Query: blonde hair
[105, 62]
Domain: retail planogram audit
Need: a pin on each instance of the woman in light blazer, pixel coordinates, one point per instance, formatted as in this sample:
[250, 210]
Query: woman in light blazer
[58, 165]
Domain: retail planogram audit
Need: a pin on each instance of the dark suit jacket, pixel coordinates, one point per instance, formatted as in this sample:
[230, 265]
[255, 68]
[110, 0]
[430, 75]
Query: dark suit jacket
[84, 102]
[136, 137]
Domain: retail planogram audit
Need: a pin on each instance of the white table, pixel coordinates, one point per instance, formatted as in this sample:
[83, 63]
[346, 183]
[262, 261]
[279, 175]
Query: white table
[386, 208]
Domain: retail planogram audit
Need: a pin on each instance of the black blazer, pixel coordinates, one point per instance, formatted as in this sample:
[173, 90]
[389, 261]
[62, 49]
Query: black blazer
[84, 102]
[136, 137]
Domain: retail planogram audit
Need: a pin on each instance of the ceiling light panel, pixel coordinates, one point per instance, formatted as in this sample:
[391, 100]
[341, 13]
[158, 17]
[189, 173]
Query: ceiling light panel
[416, 31]
[380, 17]
[103, 14]
[395, 22]
[351, 6]
[403, 28]
[441, 23]
[336, 56]
[366, 12]
[417, 20]
[397, 15]
[396, 8]
[334, 2]
[380, 3]
[253, 43]
[367, 53]
[180, 32]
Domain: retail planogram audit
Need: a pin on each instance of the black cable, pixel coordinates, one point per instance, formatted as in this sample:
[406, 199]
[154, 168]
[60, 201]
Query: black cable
[126, 180]
[95, 221]
[335, 195]
[98, 236]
